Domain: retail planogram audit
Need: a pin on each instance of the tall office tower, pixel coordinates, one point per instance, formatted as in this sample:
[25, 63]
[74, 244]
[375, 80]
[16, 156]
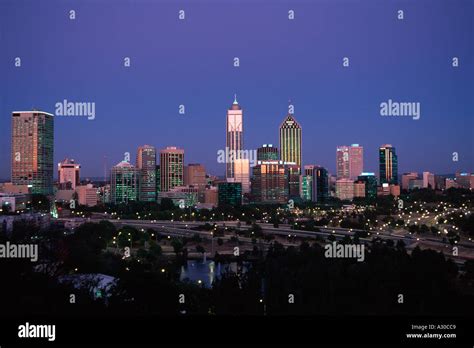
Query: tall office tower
[429, 180]
[388, 165]
[290, 141]
[370, 181]
[345, 189]
[234, 136]
[267, 153]
[293, 175]
[32, 150]
[123, 183]
[171, 168]
[242, 173]
[406, 178]
[349, 161]
[270, 182]
[68, 174]
[146, 165]
[320, 183]
[229, 193]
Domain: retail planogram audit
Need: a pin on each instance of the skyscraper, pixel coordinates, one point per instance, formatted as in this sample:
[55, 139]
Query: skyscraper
[290, 141]
[68, 174]
[123, 183]
[171, 168]
[146, 165]
[234, 136]
[32, 150]
[349, 161]
[388, 165]
[270, 182]
[319, 182]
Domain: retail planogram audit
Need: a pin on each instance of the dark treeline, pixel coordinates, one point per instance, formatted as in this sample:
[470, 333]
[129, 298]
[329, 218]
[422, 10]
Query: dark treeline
[148, 282]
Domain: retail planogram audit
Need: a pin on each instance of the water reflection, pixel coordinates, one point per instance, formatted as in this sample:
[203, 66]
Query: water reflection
[204, 272]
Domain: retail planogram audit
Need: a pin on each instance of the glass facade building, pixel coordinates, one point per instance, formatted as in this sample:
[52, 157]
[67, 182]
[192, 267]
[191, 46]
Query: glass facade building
[270, 182]
[32, 150]
[388, 165]
[123, 183]
[146, 165]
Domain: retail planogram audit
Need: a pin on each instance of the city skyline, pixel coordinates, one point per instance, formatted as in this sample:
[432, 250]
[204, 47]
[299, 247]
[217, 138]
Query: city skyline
[331, 103]
[340, 167]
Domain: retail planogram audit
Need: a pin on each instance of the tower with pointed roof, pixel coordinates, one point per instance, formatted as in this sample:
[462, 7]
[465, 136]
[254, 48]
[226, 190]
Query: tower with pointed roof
[234, 137]
[290, 140]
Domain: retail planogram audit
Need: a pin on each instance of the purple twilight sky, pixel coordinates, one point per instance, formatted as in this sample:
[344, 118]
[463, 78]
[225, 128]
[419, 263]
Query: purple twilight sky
[190, 62]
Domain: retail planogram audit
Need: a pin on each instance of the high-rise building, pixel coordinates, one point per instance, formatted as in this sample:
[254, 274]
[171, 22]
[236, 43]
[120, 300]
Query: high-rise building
[229, 193]
[68, 174]
[370, 181]
[242, 173]
[345, 189]
[234, 136]
[349, 161]
[293, 175]
[306, 184]
[319, 182]
[171, 168]
[429, 180]
[291, 141]
[123, 183]
[146, 165]
[267, 152]
[269, 182]
[388, 165]
[32, 150]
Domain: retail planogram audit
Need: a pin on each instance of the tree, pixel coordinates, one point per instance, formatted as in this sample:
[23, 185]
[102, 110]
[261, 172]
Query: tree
[177, 245]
